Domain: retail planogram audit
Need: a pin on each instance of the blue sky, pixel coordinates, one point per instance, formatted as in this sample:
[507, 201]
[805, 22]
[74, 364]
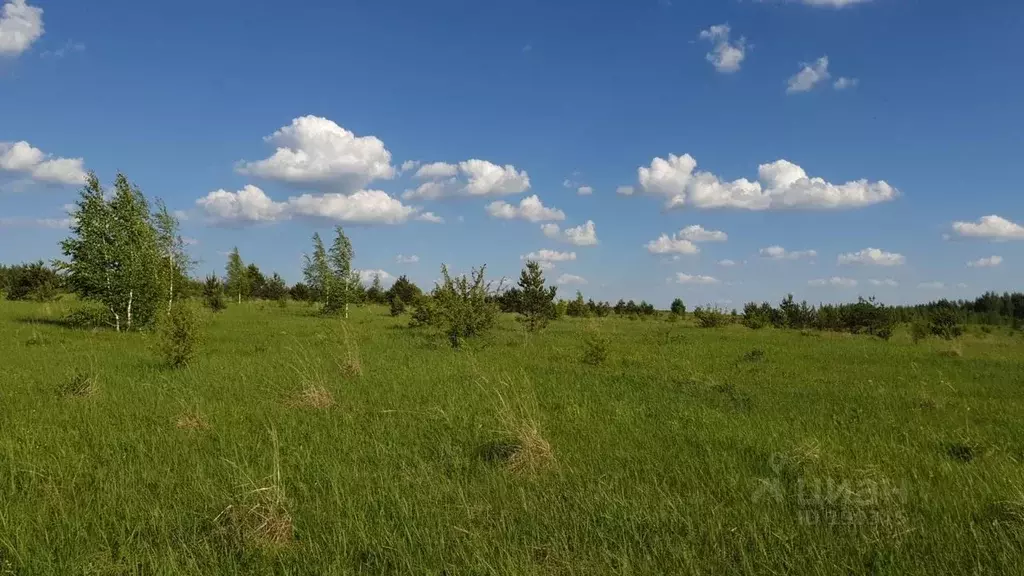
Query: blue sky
[796, 135]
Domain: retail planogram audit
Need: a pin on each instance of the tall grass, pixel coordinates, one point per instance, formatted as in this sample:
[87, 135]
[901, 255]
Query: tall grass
[683, 451]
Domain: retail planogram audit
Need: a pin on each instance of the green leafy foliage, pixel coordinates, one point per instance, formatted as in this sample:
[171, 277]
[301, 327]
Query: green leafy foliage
[179, 334]
[537, 302]
[678, 308]
[459, 308]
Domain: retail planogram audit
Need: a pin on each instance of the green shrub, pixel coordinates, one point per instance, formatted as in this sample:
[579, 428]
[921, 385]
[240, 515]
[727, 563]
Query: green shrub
[213, 294]
[397, 306]
[459, 308]
[179, 334]
[919, 331]
[710, 317]
[678, 308]
[595, 347]
[86, 317]
[944, 321]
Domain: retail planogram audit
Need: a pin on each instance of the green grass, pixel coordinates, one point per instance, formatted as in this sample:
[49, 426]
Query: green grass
[683, 451]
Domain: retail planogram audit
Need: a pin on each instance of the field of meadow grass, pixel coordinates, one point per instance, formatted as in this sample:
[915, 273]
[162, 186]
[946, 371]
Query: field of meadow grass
[296, 444]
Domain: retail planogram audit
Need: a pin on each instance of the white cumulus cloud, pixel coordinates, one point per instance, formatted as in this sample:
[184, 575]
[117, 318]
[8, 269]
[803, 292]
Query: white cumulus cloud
[780, 253]
[781, 185]
[990, 262]
[725, 56]
[430, 217]
[472, 178]
[691, 279]
[252, 205]
[316, 152]
[23, 158]
[887, 282]
[872, 257]
[407, 259]
[571, 279]
[684, 241]
[625, 190]
[833, 3]
[546, 255]
[20, 26]
[530, 208]
[585, 190]
[844, 83]
[809, 76]
[833, 281]
[582, 235]
[727, 263]
[436, 170]
[992, 227]
[367, 276]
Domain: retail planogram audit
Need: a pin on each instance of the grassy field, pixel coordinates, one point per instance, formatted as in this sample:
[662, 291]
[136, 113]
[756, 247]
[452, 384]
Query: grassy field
[301, 445]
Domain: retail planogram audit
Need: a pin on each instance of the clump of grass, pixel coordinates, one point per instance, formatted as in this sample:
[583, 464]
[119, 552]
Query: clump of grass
[316, 397]
[522, 448]
[191, 420]
[260, 516]
[595, 347]
[1007, 512]
[953, 350]
[79, 385]
[348, 362]
[755, 355]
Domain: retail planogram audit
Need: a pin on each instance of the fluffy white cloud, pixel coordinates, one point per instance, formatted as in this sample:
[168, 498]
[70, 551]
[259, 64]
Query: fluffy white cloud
[407, 259]
[684, 242]
[472, 178]
[931, 286]
[688, 279]
[365, 206]
[583, 235]
[408, 166]
[872, 257]
[21, 157]
[367, 276]
[625, 190]
[833, 281]
[430, 217]
[780, 253]
[844, 83]
[437, 170]
[584, 190]
[252, 205]
[530, 208]
[781, 185]
[990, 262]
[888, 282]
[666, 244]
[248, 205]
[20, 26]
[727, 263]
[316, 152]
[725, 56]
[549, 256]
[809, 76]
[571, 279]
[994, 227]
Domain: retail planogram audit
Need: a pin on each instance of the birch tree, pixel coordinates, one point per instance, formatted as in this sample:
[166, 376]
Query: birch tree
[176, 261]
[340, 259]
[316, 270]
[237, 279]
[113, 255]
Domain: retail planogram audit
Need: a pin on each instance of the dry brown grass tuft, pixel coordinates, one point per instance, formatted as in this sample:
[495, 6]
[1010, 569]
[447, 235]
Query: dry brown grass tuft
[260, 517]
[524, 450]
[349, 362]
[79, 385]
[316, 397]
[191, 420]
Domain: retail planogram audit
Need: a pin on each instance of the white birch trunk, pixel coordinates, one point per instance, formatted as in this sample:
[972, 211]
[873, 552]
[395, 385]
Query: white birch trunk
[131, 294]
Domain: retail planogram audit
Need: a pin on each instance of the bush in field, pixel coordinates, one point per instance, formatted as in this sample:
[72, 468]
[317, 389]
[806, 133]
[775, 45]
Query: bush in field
[537, 302]
[300, 292]
[755, 316]
[945, 321]
[561, 308]
[460, 307]
[678, 308]
[422, 312]
[577, 308]
[179, 334]
[213, 294]
[595, 347]
[86, 317]
[33, 281]
[403, 289]
[796, 316]
[599, 309]
[397, 306]
[710, 317]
